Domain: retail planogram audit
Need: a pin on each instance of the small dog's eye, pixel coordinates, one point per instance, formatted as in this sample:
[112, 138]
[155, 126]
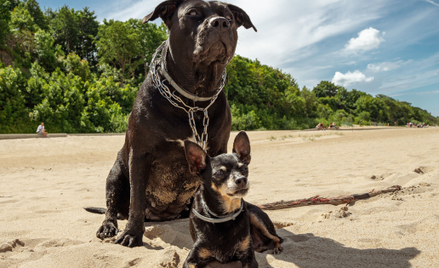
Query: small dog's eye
[219, 173]
[229, 17]
[193, 13]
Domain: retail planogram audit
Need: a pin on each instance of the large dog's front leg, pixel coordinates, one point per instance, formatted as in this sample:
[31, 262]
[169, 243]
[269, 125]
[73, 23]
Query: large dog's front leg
[133, 233]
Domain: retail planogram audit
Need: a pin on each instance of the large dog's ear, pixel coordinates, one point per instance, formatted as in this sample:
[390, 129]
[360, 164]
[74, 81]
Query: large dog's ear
[241, 17]
[241, 146]
[195, 156]
[164, 10]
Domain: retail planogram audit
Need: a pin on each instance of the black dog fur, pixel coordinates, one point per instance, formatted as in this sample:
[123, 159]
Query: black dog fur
[150, 178]
[224, 184]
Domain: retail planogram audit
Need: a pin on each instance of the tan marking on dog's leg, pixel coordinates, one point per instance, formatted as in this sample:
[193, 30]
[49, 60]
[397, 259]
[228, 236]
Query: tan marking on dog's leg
[192, 266]
[260, 225]
[244, 244]
[204, 253]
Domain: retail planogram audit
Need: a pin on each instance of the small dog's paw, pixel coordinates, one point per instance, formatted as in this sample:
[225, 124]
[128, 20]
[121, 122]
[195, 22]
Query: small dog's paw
[278, 250]
[129, 239]
[108, 229]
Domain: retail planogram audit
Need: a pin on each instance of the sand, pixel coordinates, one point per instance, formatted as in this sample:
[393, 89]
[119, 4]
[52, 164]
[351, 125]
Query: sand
[45, 183]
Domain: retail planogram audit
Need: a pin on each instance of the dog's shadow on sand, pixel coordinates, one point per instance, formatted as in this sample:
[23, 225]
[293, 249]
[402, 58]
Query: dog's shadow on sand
[302, 250]
[308, 250]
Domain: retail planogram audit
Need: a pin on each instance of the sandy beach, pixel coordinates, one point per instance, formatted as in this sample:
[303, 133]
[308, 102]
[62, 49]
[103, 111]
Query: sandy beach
[45, 183]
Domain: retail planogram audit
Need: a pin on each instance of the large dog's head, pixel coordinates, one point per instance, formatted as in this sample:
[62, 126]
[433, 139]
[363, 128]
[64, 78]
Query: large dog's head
[201, 34]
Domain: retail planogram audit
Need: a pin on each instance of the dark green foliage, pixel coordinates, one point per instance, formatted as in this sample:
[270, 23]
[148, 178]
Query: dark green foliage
[325, 89]
[65, 28]
[5, 18]
[128, 46]
[64, 69]
[35, 11]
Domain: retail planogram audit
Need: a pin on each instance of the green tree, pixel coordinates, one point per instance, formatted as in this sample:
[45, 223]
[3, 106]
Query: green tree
[118, 45]
[21, 40]
[5, 17]
[325, 89]
[45, 51]
[150, 37]
[85, 46]
[311, 101]
[34, 10]
[64, 27]
[13, 113]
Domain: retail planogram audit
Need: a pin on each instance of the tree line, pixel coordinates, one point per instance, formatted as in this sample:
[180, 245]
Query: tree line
[77, 75]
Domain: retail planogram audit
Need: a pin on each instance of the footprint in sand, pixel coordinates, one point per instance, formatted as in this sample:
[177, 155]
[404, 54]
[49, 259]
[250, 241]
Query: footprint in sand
[422, 170]
[170, 258]
[11, 245]
[337, 214]
[381, 177]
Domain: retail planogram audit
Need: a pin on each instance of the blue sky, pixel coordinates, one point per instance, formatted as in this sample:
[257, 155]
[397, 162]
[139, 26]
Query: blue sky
[386, 47]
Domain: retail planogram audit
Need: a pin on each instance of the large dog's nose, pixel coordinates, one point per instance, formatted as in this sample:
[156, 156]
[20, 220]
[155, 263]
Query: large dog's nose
[219, 23]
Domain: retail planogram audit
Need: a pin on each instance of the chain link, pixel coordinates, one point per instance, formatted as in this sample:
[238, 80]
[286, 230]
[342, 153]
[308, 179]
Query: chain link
[176, 101]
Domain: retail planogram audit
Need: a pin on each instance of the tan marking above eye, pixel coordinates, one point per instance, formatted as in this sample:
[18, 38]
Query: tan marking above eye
[222, 168]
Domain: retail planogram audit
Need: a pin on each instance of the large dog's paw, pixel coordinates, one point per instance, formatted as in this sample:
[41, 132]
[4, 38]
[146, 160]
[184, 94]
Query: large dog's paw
[129, 239]
[108, 229]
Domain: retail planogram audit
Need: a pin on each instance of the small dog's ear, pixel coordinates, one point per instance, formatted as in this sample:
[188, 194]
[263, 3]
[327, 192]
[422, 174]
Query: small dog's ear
[164, 10]
[241, 146]
[195, 156]
[241, 17]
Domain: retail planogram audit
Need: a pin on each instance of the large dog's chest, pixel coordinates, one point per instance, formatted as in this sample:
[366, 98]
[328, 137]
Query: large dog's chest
[170, 186]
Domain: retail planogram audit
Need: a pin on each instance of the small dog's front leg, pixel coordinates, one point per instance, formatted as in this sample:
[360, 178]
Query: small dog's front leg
[199, 256]
[249, 261]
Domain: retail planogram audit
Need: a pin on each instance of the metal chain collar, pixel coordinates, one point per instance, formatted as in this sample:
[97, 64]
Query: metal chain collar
[175, 100]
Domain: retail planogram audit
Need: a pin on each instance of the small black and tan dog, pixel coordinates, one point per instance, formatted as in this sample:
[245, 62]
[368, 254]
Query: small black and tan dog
[223, 226]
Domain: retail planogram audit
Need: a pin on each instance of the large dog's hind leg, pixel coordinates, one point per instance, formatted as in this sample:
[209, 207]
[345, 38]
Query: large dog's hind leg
[118, 197]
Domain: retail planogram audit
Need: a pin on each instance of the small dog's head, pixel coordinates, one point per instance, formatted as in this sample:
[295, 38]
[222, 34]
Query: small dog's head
[224, 175]
[210, 27]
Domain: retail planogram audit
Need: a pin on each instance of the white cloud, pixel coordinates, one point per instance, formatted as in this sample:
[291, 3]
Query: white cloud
[350, 78]
[416, 93]
[385, 66]
[432, 2]
[367, 39]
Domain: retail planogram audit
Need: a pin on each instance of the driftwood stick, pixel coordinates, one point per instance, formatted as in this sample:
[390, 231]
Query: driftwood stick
[317, 200]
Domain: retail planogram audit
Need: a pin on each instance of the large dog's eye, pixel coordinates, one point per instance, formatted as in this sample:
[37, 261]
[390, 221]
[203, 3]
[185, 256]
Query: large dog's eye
[193, 13]
[229, 17]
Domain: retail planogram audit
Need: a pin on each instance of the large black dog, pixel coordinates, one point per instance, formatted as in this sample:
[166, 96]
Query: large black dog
[150, 178]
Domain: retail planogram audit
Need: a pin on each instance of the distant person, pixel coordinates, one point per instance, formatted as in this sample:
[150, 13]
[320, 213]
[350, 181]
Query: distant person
[41, 130]
[333, 125]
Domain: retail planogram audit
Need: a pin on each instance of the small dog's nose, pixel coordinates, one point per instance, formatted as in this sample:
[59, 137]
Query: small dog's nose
[220, 23]
[241, 181]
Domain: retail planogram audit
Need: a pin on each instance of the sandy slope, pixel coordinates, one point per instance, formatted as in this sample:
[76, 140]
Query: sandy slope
[44, 183]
